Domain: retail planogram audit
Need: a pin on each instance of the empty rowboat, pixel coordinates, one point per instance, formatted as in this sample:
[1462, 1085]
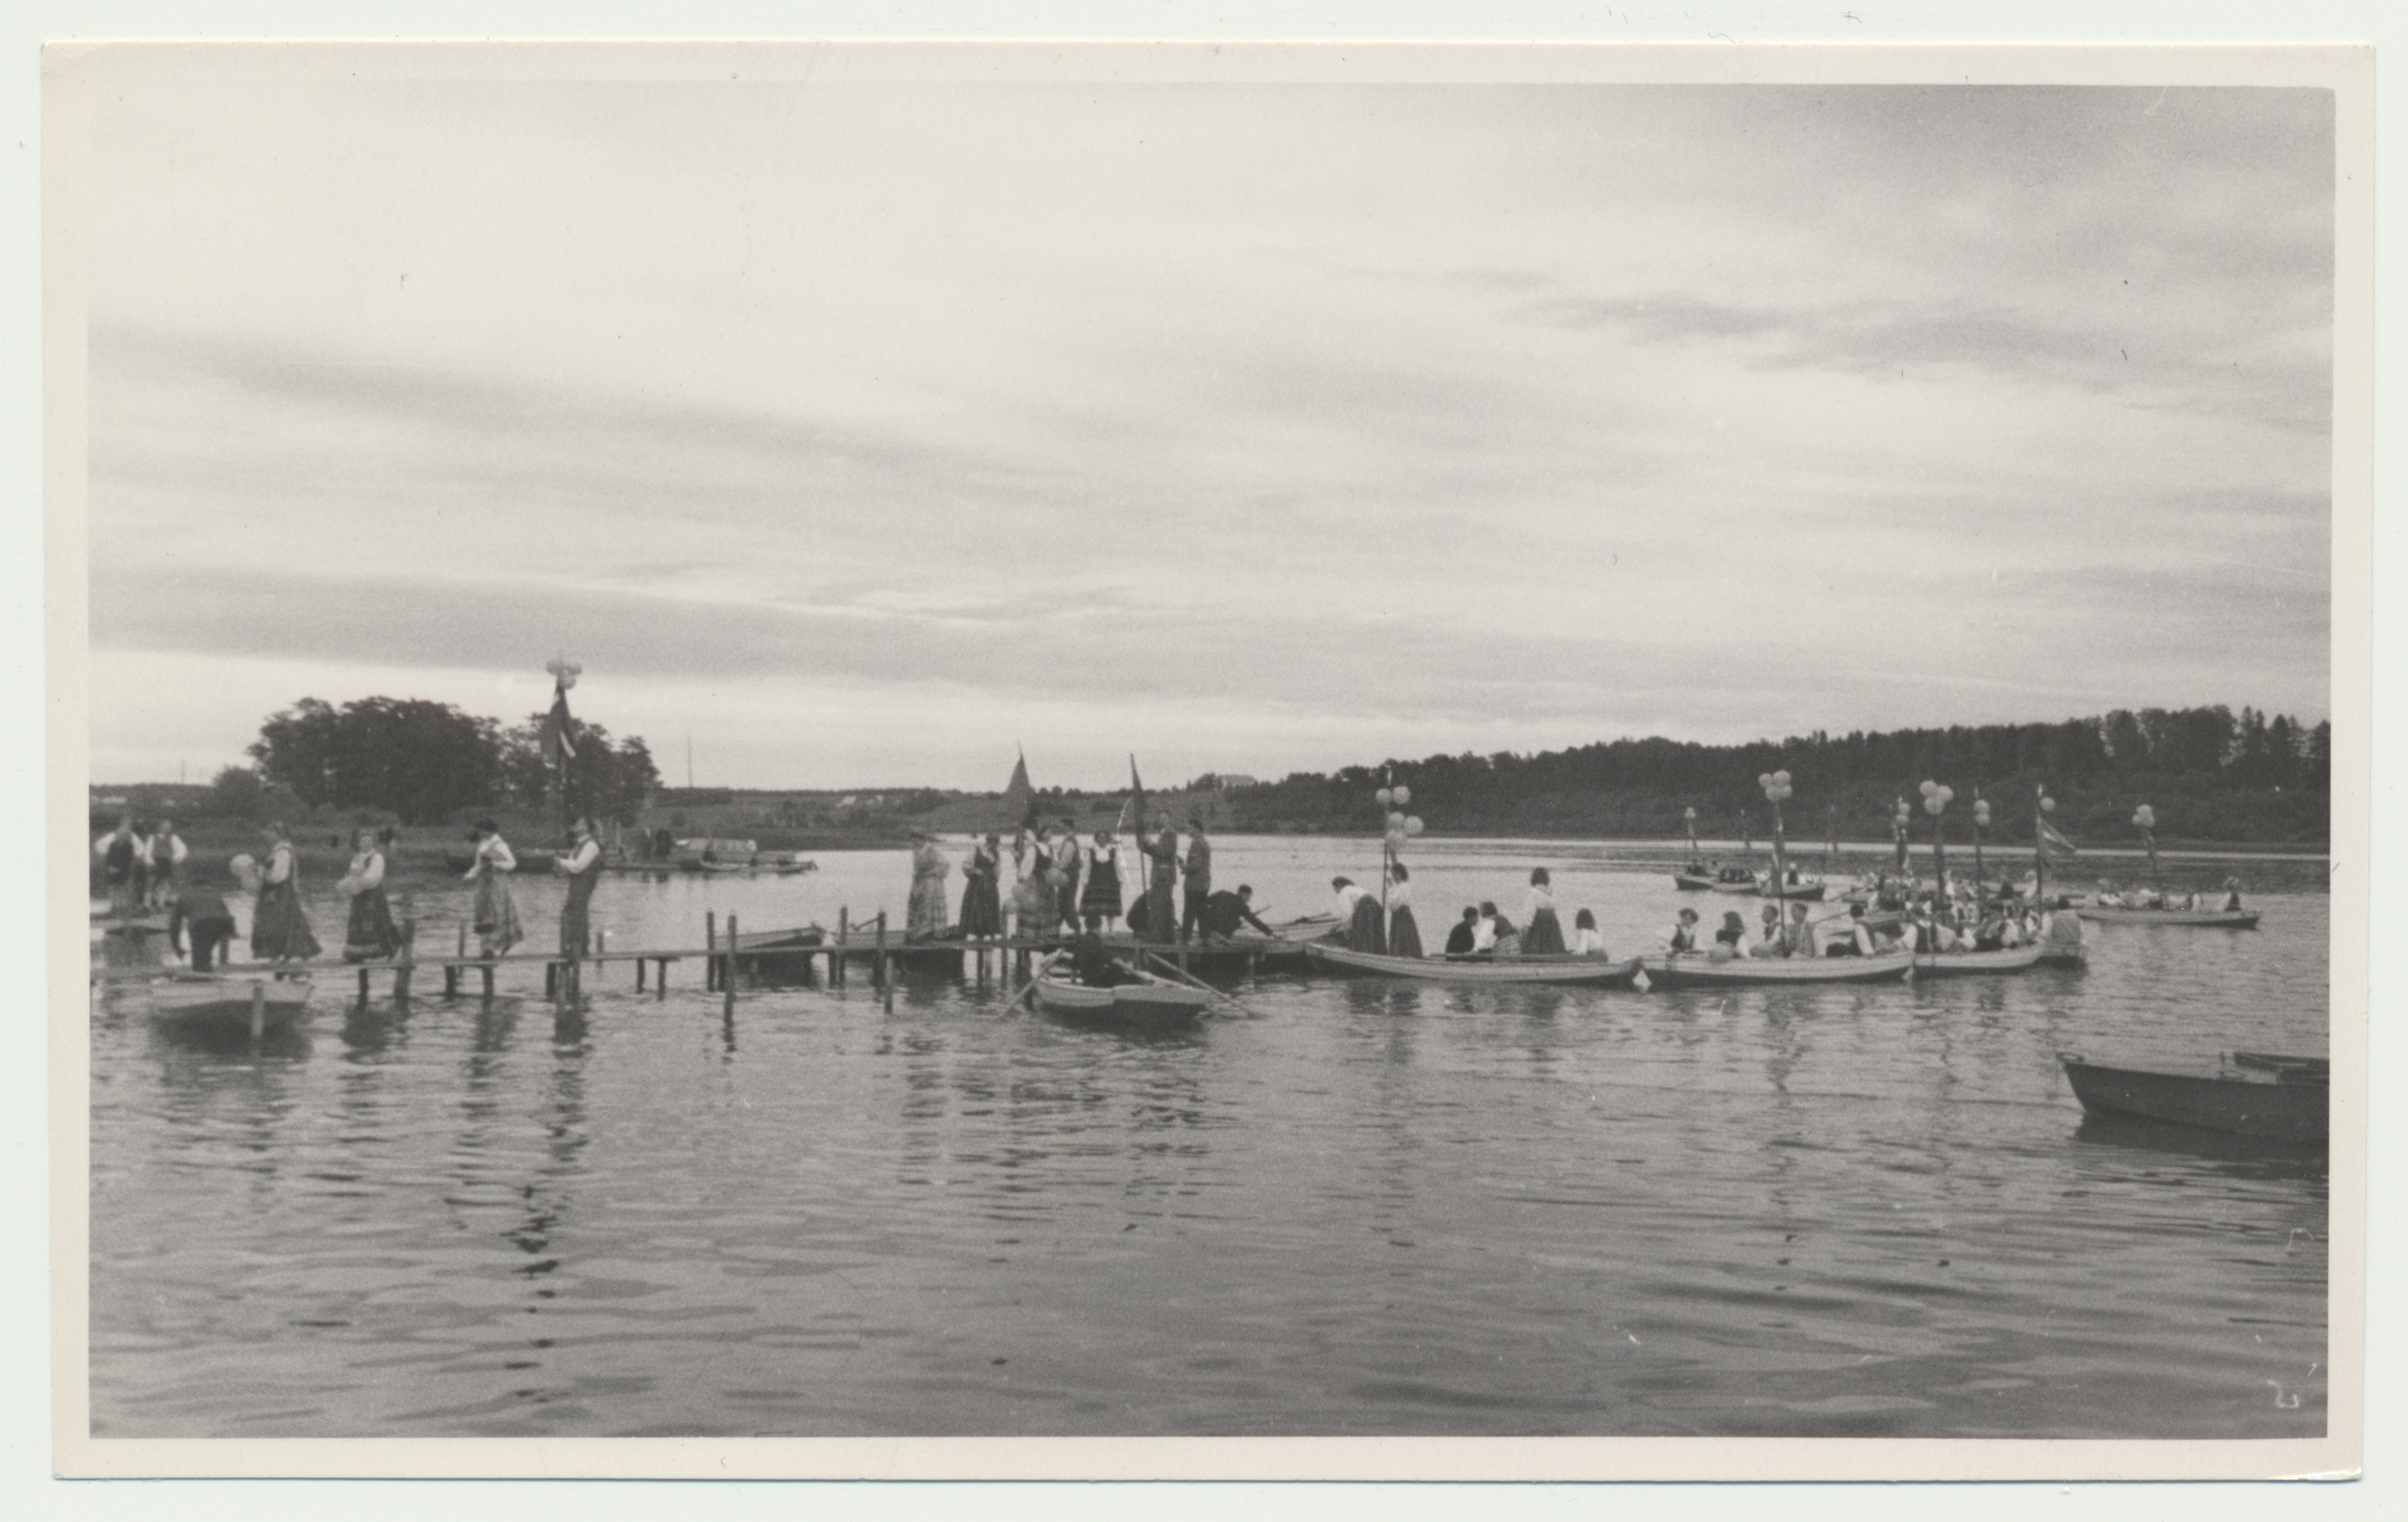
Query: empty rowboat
[194, 1000]
[1565, 971]
[1700, 969]
[2261, 1095]
[1150, 1003]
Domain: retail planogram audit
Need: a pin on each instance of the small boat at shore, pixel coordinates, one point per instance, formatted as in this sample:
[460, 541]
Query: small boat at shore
[2233, 919]
[1702, 969]
[1565, 971]
[2259, 1094]
[1149, 1003]
[262, 1004]
[1962, 963]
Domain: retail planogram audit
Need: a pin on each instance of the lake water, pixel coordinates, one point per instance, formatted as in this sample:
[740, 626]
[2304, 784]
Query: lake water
[1362, 1207]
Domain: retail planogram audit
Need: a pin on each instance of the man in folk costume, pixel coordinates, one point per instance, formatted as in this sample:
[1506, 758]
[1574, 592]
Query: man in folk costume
[1200, 879]
[583, 866]
[1162, 890]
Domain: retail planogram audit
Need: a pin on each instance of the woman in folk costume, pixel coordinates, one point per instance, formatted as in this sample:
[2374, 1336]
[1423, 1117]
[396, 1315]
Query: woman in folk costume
[1586, 941]
[926, 919]
[496, 918]
[1101, 897]
[279, 932]
[1065, 872]
[1360, 912]
[981, 906]
[1404, 934]
[1542, 934]
[370, 935]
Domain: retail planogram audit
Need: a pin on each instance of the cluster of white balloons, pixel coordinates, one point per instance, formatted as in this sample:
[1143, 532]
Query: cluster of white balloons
[1981, 811]
[1936, 797]
[1775, 785]
[2146, 817]
[2047, 804]
[1400, 825]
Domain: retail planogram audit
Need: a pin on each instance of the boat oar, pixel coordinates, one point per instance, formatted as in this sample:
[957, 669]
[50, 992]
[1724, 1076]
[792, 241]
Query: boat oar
[1198, 982]
[1030, 986]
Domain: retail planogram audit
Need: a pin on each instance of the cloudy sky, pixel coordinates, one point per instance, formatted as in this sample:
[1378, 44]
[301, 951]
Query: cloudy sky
[857, 432]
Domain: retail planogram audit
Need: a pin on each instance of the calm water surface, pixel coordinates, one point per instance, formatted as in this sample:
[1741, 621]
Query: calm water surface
[1362, 1207]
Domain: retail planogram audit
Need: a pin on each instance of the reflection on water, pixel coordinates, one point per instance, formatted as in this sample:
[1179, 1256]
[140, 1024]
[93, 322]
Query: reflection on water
[1358, 1206]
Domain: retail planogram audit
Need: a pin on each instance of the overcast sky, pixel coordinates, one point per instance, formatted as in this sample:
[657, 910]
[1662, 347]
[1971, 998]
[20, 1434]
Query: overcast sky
[860, 432]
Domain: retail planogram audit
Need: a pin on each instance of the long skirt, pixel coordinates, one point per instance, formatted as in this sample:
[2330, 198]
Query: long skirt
[1366, 933]
[1068, 897]
[1544, 936]
[927, 919]
[1103, 893]
[575, 938]
[1162, 911]
[371, 935]
[496, 919]
[981, 911]
[1404, 935]
[278, 930]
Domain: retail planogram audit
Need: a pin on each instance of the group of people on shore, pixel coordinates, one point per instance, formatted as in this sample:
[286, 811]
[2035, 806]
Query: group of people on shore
[201, 925]
[1063, 882]
[1383, 923]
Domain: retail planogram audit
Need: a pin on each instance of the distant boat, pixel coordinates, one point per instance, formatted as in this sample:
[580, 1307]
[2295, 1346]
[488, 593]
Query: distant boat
[1729, 879]
[191, 1000]
[1805, 890]
[1701, 969]
[2233, 919]
[1557, 972]
[2278, 1098]
[1150, 1003]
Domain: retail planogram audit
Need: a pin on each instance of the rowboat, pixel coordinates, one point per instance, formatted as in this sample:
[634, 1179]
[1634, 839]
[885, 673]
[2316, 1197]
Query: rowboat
[1150, 1003]
[2235, 919]
[1699, 969]
[1960, 964]
[187, 999]
[1805, 890]
[1558, 972]
[1701, 882]
[2283, 1098]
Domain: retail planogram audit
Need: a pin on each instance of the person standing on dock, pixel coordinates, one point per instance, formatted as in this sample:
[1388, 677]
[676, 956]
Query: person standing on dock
[279, 931]
[1036, 904]
[167, 853]
[116, 853]
[1225, 912]
[1100, 900]
[926, 920]
[583, 866]
[369, 935]
[982, 906]
[1200, 879]
[495, 917]
[1065, 873]
[1162, 892]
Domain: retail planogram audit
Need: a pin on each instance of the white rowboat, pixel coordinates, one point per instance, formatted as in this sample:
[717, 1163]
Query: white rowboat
[202, 998]
[1559, 971]
[1699, 969]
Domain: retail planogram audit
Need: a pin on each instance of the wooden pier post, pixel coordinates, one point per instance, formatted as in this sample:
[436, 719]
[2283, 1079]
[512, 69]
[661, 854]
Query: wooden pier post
[552, 981]
[661, 979]
[843, 934]
[710, 949]
[727, 974]
[488, 971]
[878, 955]
[451, 969]
[409, 960]
[364, 987]
[258, 1008]
[639, 974]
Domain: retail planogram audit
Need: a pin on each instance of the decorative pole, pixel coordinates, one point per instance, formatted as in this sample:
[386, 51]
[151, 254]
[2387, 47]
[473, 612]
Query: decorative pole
[1935, 801]
[1981, 817]
[558, 747]
[2039, 845]
[1689, 823]
[2147, 818]
[1399, 826]
[1898, 822]
[1776, 787]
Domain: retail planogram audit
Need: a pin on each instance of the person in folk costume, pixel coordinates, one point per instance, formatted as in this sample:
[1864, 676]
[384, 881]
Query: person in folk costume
[1773, 943]
[982, 906]
[116, 852]
[583, 866]
[1684, 933]
[1035, 902]
[279, 931]
[1503, 938]
[1544, 935]
[925, 920]
[1100, 900]
[195, 909]
[1404, 933]
[1065, 873]
[167, 853]
[495, 916]
[1798, 941]
[1162, 889]
[1731, 940]
[1359, 912]
[1461, 939]
[369, 935]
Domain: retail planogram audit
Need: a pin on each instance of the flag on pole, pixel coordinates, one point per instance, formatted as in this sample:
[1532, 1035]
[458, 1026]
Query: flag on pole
[559, 742]
[1137, 799]
[1019, 798]
[2053, 844]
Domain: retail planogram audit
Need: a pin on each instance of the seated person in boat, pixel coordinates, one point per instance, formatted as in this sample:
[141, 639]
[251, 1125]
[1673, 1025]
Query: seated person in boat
[2230, 902]
[1798, 941]
[1495, 936]
[1685, 932]
[1586, 941]
[1731, 940]
[1091, 963]
[1857, 940]
[1772, 945]
[205, 915]
[1464, 939]
[1224, 911]
[1735, 874]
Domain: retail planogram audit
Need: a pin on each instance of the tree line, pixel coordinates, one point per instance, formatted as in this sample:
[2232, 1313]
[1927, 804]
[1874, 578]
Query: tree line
[2208, 774]
[424, 761]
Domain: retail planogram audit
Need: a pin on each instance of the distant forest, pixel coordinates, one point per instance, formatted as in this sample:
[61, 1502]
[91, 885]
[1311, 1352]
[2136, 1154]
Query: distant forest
[2209, 775]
